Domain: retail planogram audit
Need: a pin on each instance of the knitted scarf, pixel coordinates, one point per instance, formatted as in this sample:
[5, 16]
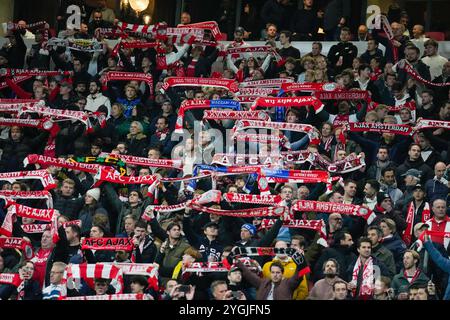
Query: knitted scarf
[270, 102]
[112, 244]
[46, 179]
[227, 84]
[368, 280]
[407, 234]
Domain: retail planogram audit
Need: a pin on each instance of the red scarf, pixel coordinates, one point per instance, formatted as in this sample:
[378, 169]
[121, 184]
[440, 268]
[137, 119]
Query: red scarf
[398, 129]
[271, 102]
[368, 282]
[61, 163]
[113, 244]
[266, 83]
[309, 87]
[243, 213]
[235, 115]
[223, 83]
[128, 76]
[46, 179]
[405, 65]
[407, 234]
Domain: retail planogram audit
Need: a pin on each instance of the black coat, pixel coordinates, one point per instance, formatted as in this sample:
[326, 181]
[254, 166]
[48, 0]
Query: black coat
[427, 172]
[148, 253]
[343, 255]
[347, 50]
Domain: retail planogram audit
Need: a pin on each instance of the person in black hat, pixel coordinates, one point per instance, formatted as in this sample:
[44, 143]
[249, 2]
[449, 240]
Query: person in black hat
[208, 245]
[418, 203]
[385, 209]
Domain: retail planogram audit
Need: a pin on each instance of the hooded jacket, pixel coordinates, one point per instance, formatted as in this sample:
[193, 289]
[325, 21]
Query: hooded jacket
[427, 172]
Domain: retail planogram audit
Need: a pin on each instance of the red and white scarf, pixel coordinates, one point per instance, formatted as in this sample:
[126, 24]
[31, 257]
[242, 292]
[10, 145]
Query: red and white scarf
[407, 234]
[17, 79]
[232, 159]
[206, 267]
[317, 225]
[61, 163]
[206, 25]
[109, 297]
[128, 76]
[333, 207]
[140, 161]
[398, 129]
[44, 194]
[110, 175]
[428, 123]
[272, 102]
[405, 65]
[28, 212]
[230, 85]
[342, 95]
[35, 228]
[235, 115]
[46, 178]
[368, 280]
[243, 213]
[252, 198]
[10, 278]
[255, 49]
[309, 87]
[9, 72]
[266, 83]
[262, 92]
[113, 244]
[89, 272]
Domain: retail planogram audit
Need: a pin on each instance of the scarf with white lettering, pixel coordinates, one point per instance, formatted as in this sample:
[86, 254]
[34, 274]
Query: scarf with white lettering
[146, 162]
[316, 225]
[84, 45]
[309, 87]
[243, 213]
[35, 228]
[428, 123]
[10, 278]
[206, 267]
[46, 178]
[405, 65]
[368, 281]
[19, 244]
[262, 92]
[252, 198]
[398, 129]
[44, 194]
[333, 207]
[202, 104]
[109, 175]
[9, 72]
[255, 49]
[28, 212]
[61, 163]
[271, 102]
[206, 25]
[232, 159]
[228, 84]
[128, 76]
[89, 272]
[235, 115]
[266, 83]
[111, 244]
[342, 95]
[15, 106]
[109, 297]
[407, 234]
[279, 139]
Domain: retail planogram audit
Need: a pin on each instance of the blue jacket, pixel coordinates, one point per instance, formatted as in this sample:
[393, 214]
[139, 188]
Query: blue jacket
[397, 247]
[442, 263]
[436, 190]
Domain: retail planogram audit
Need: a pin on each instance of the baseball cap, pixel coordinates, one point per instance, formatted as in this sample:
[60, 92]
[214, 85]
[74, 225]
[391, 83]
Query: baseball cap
[239, 30]
[418, 186]
[250, 228]
[234, 268]
[412, 172]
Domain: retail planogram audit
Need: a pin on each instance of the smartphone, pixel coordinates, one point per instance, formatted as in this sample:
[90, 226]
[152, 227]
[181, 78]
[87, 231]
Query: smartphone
[184, 288]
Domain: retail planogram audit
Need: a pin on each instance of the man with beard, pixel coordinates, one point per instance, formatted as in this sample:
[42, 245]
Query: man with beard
[379, 251]
[341, 251]
[98, 22]
[96, 99]
[410, 275]
[382, 162]
[389, 184]
[415, 161]
[323, 289]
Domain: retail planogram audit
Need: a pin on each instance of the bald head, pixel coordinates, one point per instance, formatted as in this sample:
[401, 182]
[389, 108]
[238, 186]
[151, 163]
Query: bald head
[418, 31]
[439, 169]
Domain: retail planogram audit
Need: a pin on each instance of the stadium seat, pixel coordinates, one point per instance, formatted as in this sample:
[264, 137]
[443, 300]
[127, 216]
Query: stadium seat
[438, 36]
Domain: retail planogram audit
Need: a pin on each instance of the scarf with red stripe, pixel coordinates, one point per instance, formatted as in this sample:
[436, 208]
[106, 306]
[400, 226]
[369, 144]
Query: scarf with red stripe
[235, 115]
[428, 123]
[342, 95]
[390, 35]
[10, 72]
[243, 213]
[140, 161]
[316, 225]
[309, 87]
[10, 278]
[89, 272]
[128, 76]
[109, 297]
[368, 281]
[405, 65]
[61, 163]
[19, 244]
[44, 194]
[46, 178]
[16, 79]
[407, 234]
[398, 129]
[222, 83]
[266, 83]
[333, 207]
[271, 102]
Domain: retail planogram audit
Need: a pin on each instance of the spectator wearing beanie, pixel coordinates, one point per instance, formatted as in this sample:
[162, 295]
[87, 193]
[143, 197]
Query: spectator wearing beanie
[90, 208]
